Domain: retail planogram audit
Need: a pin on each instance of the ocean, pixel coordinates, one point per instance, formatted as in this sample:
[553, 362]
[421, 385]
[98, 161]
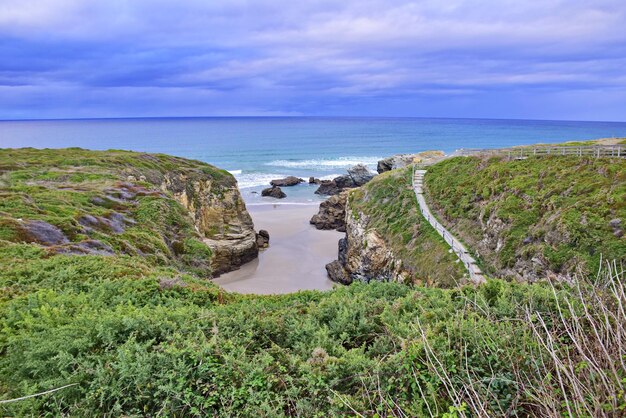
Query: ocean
[256, 150]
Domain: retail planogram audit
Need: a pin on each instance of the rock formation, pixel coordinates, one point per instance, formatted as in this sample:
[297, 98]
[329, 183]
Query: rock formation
[219, 214]
[287, 181]
[332, 213]
[356, 177]
[274, 192]
[263, 239]
[363, 255]
[402, 160]
[360, 174]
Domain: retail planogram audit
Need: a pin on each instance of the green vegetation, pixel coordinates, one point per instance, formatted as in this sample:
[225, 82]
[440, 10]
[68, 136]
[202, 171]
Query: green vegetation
[139, 331]
[545, 215]
[391, 207]
[85, 194]
[141, 340]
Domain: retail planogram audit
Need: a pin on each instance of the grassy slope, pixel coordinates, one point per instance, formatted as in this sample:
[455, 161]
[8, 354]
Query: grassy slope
[391, 207]
[557, 207]
[142, 338]
[61, 186]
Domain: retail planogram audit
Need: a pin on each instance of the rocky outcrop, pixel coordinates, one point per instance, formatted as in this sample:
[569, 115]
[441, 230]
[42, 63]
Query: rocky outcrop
[328, 188]
[274, 192]
[42, 233]
[363, 255]
[357, 176]
[403, 160]
[360, 175]
[332, 213]
[313, 180]
[219, 214]
[287, 181]
[263, 239]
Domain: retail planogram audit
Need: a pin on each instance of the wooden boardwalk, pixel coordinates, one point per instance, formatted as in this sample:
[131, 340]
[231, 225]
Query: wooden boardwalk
[475, 274]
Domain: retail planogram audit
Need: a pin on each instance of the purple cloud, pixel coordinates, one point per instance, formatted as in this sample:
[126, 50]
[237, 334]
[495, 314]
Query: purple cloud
[550, 59]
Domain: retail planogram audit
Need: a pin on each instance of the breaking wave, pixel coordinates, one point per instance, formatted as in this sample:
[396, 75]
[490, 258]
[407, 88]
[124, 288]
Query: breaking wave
[326, 164]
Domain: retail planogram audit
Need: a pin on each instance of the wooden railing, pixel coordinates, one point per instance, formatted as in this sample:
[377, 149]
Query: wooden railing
[596, 151]
[475, 274]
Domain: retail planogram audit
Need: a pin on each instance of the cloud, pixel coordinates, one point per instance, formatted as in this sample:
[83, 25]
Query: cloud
[310, 57]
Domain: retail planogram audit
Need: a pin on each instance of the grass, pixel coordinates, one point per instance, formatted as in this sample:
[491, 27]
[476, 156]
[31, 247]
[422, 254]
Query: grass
[390, 206]
[145, 334]
[553, 210]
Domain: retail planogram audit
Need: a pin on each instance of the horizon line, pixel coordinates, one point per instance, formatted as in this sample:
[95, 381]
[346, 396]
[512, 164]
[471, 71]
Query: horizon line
[299, 117]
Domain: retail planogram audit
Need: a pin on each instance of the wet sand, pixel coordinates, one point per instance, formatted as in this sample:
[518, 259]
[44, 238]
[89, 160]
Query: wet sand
[296, 256]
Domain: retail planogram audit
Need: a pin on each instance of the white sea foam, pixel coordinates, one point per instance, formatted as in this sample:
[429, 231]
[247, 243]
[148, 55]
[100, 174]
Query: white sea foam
[256, 179]
[326, 164]
[234, 172]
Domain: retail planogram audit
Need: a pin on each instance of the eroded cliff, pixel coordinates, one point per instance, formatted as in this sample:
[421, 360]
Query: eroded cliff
[388, 240]
[168, 210]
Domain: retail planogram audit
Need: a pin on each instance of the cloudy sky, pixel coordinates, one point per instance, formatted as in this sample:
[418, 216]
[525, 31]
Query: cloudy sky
[540, 59]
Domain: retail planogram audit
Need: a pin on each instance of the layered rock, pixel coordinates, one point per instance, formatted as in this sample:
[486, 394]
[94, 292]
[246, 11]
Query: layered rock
[402, 160]
[364, 255]
[332, 213]
[219, 214]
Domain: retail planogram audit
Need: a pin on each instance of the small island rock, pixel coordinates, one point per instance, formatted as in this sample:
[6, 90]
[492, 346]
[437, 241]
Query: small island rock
[286, 182]
[274, 191]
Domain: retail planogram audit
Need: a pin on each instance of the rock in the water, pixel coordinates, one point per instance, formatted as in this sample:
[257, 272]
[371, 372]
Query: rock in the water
[274, 191]
[332, 213]
[263, 238]
[328, 188]
[360, 174]
[286, 182]
[337, 273]
[357, 176]
[313, 180]
[43, 233]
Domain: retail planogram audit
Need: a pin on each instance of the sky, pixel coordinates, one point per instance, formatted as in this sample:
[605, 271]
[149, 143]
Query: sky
[522, 59]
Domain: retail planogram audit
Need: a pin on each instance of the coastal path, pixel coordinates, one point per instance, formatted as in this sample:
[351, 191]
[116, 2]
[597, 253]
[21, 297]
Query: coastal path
[475, 274]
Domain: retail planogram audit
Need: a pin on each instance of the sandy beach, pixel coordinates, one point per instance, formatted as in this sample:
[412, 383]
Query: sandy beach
[296, 257]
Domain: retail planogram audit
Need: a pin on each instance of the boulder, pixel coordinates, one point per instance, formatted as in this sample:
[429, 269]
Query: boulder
[274, 192]
[337, 273]
[263, 239]
[313, 180]
[328, 188]
[332, 213]
[286, 182]
[360, 174]
[344, 182]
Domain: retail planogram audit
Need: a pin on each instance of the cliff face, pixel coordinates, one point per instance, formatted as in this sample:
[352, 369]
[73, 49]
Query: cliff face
[388, 240]
[220, 216]
[168, 211]
[364, 255]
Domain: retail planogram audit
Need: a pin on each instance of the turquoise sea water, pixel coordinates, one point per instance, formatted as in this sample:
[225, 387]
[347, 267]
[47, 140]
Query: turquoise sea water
[256, 150]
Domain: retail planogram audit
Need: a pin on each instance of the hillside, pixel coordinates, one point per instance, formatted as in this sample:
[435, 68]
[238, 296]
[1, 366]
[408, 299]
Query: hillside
[388, 239]
[532, 219]
[125, 316]
[165, 210]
